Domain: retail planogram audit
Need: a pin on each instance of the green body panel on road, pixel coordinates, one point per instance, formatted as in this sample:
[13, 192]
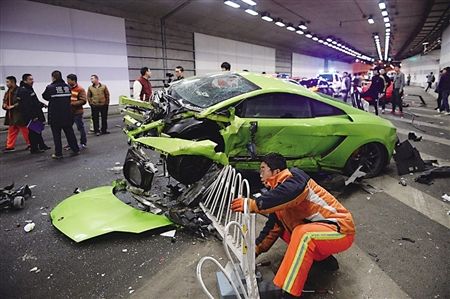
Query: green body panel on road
[97, 212]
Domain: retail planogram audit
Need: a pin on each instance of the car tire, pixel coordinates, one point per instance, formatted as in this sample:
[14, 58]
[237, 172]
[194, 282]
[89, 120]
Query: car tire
[373, 157]
[188, 169]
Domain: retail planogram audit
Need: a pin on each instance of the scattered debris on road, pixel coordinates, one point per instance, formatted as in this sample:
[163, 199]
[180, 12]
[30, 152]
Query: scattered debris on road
[29, 227]
[427, 176]
[14, 198]
[446, 197]
[402, 182]
[412, 136]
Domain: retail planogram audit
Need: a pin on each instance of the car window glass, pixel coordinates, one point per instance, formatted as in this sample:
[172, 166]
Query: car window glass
[322, 109]
[209, 90]
[275, 105]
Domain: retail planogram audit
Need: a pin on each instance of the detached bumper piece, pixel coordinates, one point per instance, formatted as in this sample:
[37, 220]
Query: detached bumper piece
[97, 212]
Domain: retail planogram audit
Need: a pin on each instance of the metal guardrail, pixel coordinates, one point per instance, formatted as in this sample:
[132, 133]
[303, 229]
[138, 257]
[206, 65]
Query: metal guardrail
[237, 231]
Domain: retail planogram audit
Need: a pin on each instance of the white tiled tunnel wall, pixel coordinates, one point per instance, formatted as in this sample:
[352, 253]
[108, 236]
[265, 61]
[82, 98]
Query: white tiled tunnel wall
[211, 51]
[69, 43]
[306, 66]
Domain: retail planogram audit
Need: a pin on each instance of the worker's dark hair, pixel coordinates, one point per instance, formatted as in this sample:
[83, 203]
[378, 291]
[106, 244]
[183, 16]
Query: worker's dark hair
[275, 161]
[225, 65]
[180, 68]
[72, 77]
[57, 75]
[12, 78]
[144, 70]
[25, 76]
[95, 76]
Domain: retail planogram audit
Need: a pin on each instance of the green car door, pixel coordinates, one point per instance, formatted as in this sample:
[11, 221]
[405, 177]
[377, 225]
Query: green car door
[296, 126]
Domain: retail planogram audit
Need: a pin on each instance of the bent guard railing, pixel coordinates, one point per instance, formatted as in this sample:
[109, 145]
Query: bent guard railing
[241, 239]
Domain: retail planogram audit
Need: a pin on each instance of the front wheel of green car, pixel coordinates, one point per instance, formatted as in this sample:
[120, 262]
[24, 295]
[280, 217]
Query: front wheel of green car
[372, 157]
[188, 169]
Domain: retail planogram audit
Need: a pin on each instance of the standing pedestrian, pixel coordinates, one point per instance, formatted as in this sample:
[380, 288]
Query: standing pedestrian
[397, 94]
[408, 79]
[31, 109]
[225, 67]
[387, 83]
[444, 88]
[78, 99]
[430, 80]
[60, 114]
[98, 98]
[375, 89]
[346, 85]
[13, 118]
[179, 73]
[436, 90]
[142, 88]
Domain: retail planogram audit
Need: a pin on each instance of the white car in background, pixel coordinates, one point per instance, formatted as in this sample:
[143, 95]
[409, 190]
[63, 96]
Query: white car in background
[335, 80]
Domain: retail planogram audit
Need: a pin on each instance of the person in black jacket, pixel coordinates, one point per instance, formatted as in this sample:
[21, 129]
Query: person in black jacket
[444, 89]
[31, 109]
[60, 114]
[387, 82]
[375, 89]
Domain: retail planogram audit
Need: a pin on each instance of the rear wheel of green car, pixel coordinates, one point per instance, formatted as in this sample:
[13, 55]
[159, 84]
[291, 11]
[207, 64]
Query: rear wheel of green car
[188, 169]
[372, 156]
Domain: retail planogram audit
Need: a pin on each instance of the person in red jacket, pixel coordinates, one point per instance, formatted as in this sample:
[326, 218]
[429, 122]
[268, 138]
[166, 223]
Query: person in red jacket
[313, 223]
[142, 89]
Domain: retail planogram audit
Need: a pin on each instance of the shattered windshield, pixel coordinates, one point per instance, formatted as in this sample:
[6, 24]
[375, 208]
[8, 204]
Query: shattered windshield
[212, 89]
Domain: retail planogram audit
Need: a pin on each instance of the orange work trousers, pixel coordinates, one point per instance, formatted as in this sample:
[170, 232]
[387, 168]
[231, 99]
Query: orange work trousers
[13, 132]
[308, 242]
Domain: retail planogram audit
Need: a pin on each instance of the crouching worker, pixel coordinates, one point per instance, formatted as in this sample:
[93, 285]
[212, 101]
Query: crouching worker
[313, 223]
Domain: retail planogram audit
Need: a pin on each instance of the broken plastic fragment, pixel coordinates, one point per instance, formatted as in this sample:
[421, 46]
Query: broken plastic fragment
[124, 250]
[170, 233]
[34, 269]
[357, 174]
[29, 227]
[445, 197]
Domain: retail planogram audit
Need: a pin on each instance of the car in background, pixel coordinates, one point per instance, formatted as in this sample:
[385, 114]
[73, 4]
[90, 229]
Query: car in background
[237, 118]
[335, 80]
[318, 85]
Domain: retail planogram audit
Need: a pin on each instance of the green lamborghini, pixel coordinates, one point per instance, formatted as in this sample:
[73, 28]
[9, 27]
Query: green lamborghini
[236, 118]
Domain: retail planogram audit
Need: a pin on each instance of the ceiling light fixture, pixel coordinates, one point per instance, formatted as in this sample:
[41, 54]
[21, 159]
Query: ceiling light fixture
[299, 32]
[251, 12]
[329, 39]
[386, 47]
[387, 25]
[384, 13]
[302, 26]
[231, 4]
[370, 20]
[249, 2]
[315, 38]
[386, 19]
[308, 35]
[382, 4]
[279, 23]
[266, 17]
[388, 29]
[290, 27]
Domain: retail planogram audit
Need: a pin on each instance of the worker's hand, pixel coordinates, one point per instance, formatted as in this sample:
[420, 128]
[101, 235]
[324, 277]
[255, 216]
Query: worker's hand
[237, 205]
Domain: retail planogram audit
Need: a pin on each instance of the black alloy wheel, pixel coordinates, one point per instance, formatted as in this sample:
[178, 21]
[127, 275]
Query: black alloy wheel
[372, 157]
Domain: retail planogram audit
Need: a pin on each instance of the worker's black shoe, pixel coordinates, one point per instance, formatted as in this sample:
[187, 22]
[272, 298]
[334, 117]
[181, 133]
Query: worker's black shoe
[329, 264]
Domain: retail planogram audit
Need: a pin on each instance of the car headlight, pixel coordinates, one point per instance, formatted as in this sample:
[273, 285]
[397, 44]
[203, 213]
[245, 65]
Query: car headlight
[138, 170]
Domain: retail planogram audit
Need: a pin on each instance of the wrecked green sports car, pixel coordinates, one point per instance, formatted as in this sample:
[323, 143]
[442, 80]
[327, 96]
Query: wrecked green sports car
[235, 118]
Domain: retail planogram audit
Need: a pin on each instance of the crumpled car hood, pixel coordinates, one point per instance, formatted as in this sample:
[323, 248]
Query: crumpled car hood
[97, 212]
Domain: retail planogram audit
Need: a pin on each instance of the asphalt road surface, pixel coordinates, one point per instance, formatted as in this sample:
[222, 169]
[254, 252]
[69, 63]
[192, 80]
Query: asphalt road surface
[401, 249]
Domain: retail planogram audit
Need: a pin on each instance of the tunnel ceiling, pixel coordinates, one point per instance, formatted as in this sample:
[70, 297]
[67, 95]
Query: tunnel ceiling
[412, 21]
